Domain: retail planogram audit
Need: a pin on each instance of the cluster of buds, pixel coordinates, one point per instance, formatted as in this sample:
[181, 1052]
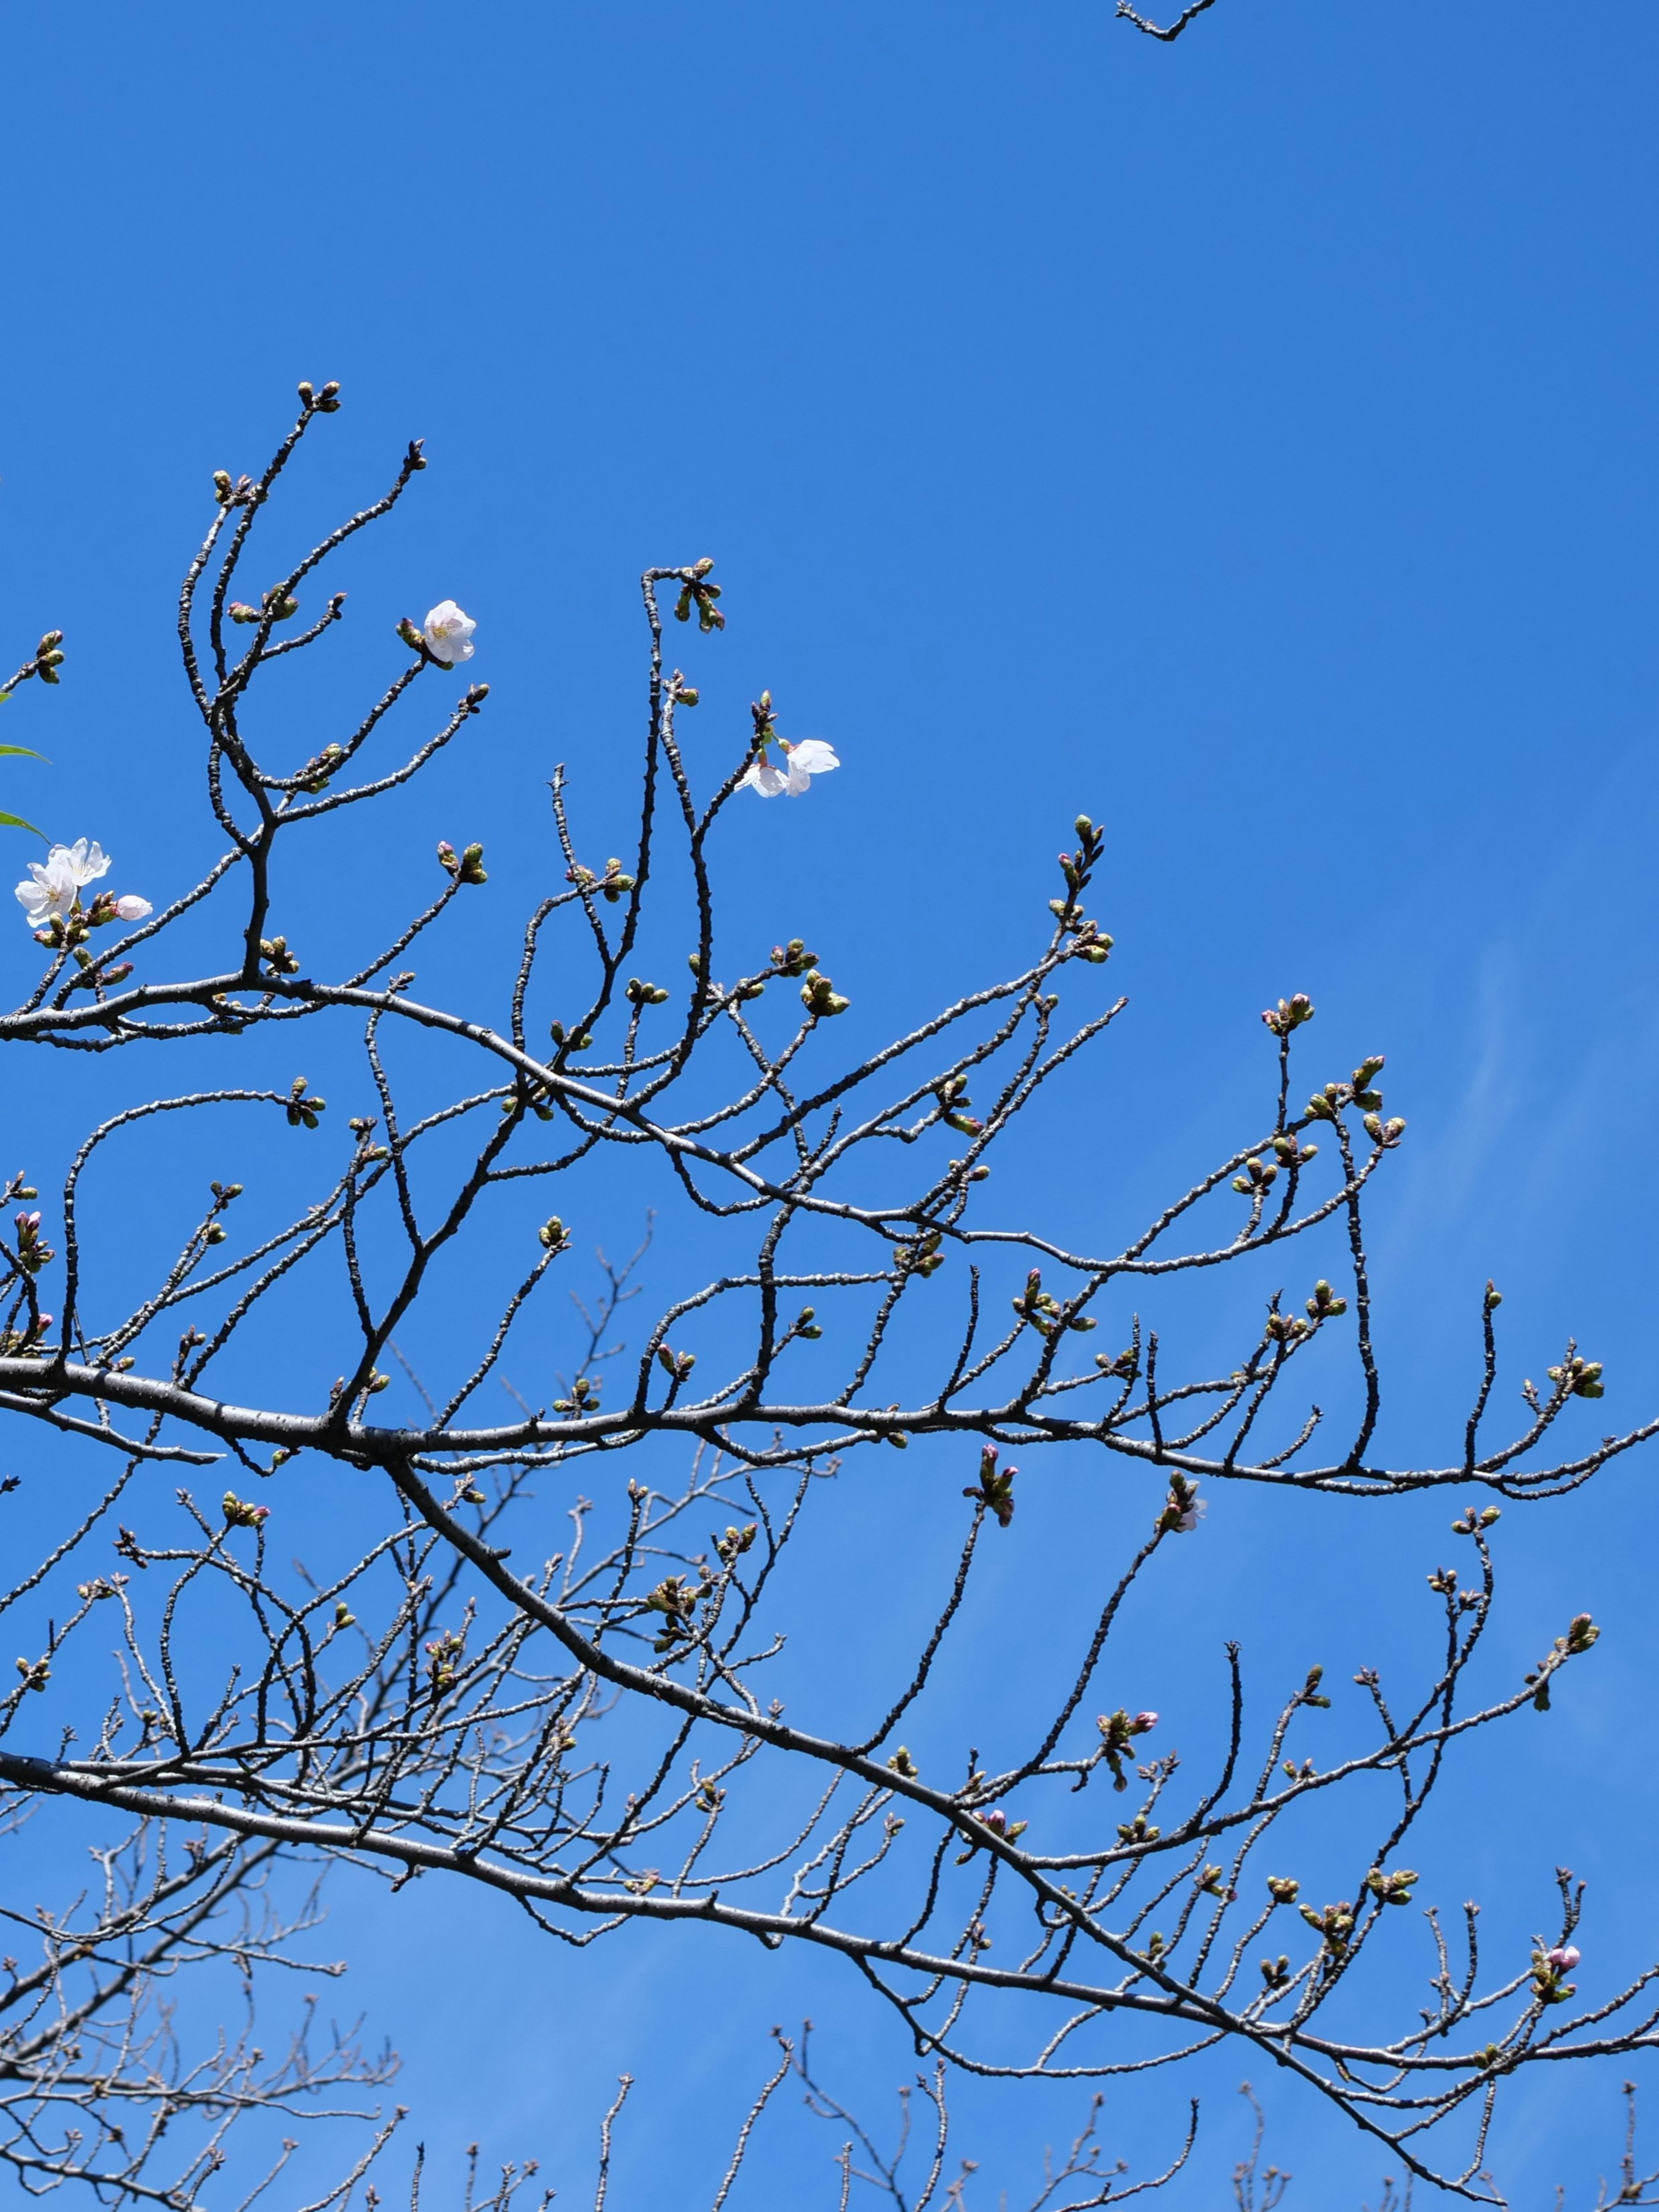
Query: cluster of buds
[1474, 1518]
[1392, 1886]
[48, 659]
[677, 1366]
[1310, 1694]
[101, 1586]
[1549, 1970]
[1257, 1179]
[710, 1795]
[994, 1490]
[36, 1673]
[239, 1514]
[1043, 1311]
[793, 958]
[807, 1325]
[1289, 1014]
[228, 494]
[534, 1096]
[1283, 1888]
[1182, 1508]
[274, 951]
[1334, 1923]
[1125, 1365]
[953, 1104]
[1077, 868]
[922, 1258]
[997, 1821]
[1091, 943]
[730, 1548]
[1576, 1377]
[277, 603]
[1325, 1304]
[224, 1194]
[613, 884]
[584, 1396]
[1582, 1632]
[1444, 1581]
[680, 693]
[1287, 1328]
[302, 1108]
[645, 995]
[1328, 1105]
[326, 402]
[19, 1343]
[553, 1235]
[467, 867]
[820, 997]
[575, 1040]
[1137, 1831]
[1118, 1731]
[32, 1254]
[1275, 1972]
[902, 1764]
[443, 1660]
[314, 775]
[695, 591]
[677, 1598]
[362, 1127]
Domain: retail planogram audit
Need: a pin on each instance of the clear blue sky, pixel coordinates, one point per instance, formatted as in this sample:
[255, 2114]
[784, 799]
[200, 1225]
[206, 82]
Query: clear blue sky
[1251, 441]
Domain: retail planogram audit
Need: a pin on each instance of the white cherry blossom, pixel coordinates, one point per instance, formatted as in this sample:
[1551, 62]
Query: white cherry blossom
[801, 763]
[57, 879]
[449, 633]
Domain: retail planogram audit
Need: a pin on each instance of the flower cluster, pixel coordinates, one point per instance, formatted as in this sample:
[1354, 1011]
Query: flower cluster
[1117, 1731]
[801, 763]
[51, 900]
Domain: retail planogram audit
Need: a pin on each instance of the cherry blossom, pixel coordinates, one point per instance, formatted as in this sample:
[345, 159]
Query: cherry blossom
[58, 880]
[449, 633]
[801, 763]
[1564, 1957]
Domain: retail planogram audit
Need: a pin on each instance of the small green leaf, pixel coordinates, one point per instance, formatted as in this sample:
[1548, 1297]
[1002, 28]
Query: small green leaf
[24, 750]
[16, 821]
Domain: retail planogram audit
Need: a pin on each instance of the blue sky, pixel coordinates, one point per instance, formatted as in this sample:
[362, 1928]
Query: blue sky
[1251, 442]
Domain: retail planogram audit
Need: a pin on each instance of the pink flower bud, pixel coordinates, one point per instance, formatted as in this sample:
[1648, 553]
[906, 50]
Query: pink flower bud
[131, 908]
[1564, 1957]
[1143, 1721]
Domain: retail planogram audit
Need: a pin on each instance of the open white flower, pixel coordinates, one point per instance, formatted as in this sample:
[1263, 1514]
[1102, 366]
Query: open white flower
[449, 633]
[801, 763]
[57, 879]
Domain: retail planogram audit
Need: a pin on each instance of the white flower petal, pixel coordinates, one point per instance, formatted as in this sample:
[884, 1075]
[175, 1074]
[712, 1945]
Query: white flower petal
[769, 781]
[812, 756]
